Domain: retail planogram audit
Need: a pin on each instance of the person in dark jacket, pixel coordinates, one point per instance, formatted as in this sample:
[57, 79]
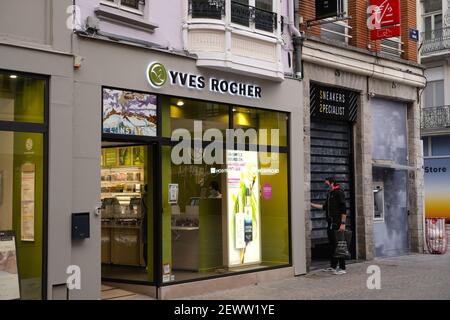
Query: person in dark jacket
[335, 209]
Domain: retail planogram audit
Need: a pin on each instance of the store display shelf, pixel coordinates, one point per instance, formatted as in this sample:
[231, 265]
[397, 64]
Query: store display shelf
[122, 168]
[107, 194]
[177, 228]
[122, 181]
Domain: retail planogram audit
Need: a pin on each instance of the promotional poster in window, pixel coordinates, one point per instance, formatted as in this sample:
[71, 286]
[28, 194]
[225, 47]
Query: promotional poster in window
[9, 275]
[129, 113]
[437, 188]
[244, 223]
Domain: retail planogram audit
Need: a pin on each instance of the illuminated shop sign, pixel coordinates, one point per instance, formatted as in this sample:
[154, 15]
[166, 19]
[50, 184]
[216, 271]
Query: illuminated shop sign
[158, 75]
[333, 104]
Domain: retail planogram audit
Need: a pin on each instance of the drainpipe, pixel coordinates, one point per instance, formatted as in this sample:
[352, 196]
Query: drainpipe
[297, 37]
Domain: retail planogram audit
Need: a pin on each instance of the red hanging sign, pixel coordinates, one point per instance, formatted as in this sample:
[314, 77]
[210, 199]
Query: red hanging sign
[384, 33]
[384, 15]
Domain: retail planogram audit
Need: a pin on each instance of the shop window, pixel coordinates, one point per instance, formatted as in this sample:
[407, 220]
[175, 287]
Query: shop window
[21, 98]
[127, 213]
[193, 116]
[225, 217]
[262, 121]
[21, 206]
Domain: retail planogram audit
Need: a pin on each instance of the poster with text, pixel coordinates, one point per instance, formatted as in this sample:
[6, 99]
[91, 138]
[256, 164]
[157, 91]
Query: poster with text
[437, 188]
[244, 223]
[9, 275]
[27, 203]
[129, 113]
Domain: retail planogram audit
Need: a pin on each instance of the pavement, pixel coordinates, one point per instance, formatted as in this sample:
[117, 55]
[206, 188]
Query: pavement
[411, 277]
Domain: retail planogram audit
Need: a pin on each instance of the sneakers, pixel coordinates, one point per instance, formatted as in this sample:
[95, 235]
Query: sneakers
[339, 271]
[329, 269]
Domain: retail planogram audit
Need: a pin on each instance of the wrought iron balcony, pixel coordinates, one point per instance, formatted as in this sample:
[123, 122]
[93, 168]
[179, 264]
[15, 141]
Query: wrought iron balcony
[210, 9]
[265, 20]
[434, 118]
[435, 40]
[243, 14]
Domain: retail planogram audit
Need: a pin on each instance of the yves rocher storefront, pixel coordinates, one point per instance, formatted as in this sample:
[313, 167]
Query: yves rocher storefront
[196, 175]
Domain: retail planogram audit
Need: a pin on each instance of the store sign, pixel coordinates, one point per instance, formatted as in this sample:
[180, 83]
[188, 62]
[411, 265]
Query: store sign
[244, 219]
[384, 19]
[129, 113]
[326, 9]
[437, 188]
[9, 275]
[384, 33]
[333, 103]
[158, 76]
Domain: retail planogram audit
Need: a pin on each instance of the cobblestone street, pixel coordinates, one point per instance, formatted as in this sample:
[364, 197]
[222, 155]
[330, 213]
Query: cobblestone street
[407, 277]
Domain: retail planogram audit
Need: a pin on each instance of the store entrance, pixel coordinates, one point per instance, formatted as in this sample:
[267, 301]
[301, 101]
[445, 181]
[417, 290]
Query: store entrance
[331, 156]
[127, 212]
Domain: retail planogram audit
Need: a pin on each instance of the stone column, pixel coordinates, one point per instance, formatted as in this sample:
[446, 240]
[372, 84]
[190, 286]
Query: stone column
[363, 181]
[415, 179]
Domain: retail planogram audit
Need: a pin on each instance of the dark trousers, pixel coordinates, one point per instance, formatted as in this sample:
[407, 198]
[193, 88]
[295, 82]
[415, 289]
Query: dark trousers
[332, 238]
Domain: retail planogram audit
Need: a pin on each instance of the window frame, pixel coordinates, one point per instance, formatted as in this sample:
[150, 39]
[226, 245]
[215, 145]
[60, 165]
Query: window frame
[433, 87]
[161, 141]
[41, 128]
[252, 21]
[342, 10]
[377, 185]
[118, 5]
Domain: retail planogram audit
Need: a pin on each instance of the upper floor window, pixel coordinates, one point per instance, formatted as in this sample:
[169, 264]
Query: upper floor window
[131, 5]
[434, 94]
[257, 13]
[392, 46]
[211, 9]
[337, 30]
[432, 18]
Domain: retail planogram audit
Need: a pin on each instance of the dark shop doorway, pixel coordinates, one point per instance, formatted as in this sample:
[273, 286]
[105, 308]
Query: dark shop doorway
[331, 155]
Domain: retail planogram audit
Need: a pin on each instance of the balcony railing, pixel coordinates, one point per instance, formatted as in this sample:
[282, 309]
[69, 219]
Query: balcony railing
[209, 9]
[435, 118]
[241, 14]
[244, 14]
[435, 40]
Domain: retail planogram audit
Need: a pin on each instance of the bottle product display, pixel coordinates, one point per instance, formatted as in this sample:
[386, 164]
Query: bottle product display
[248, 217]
